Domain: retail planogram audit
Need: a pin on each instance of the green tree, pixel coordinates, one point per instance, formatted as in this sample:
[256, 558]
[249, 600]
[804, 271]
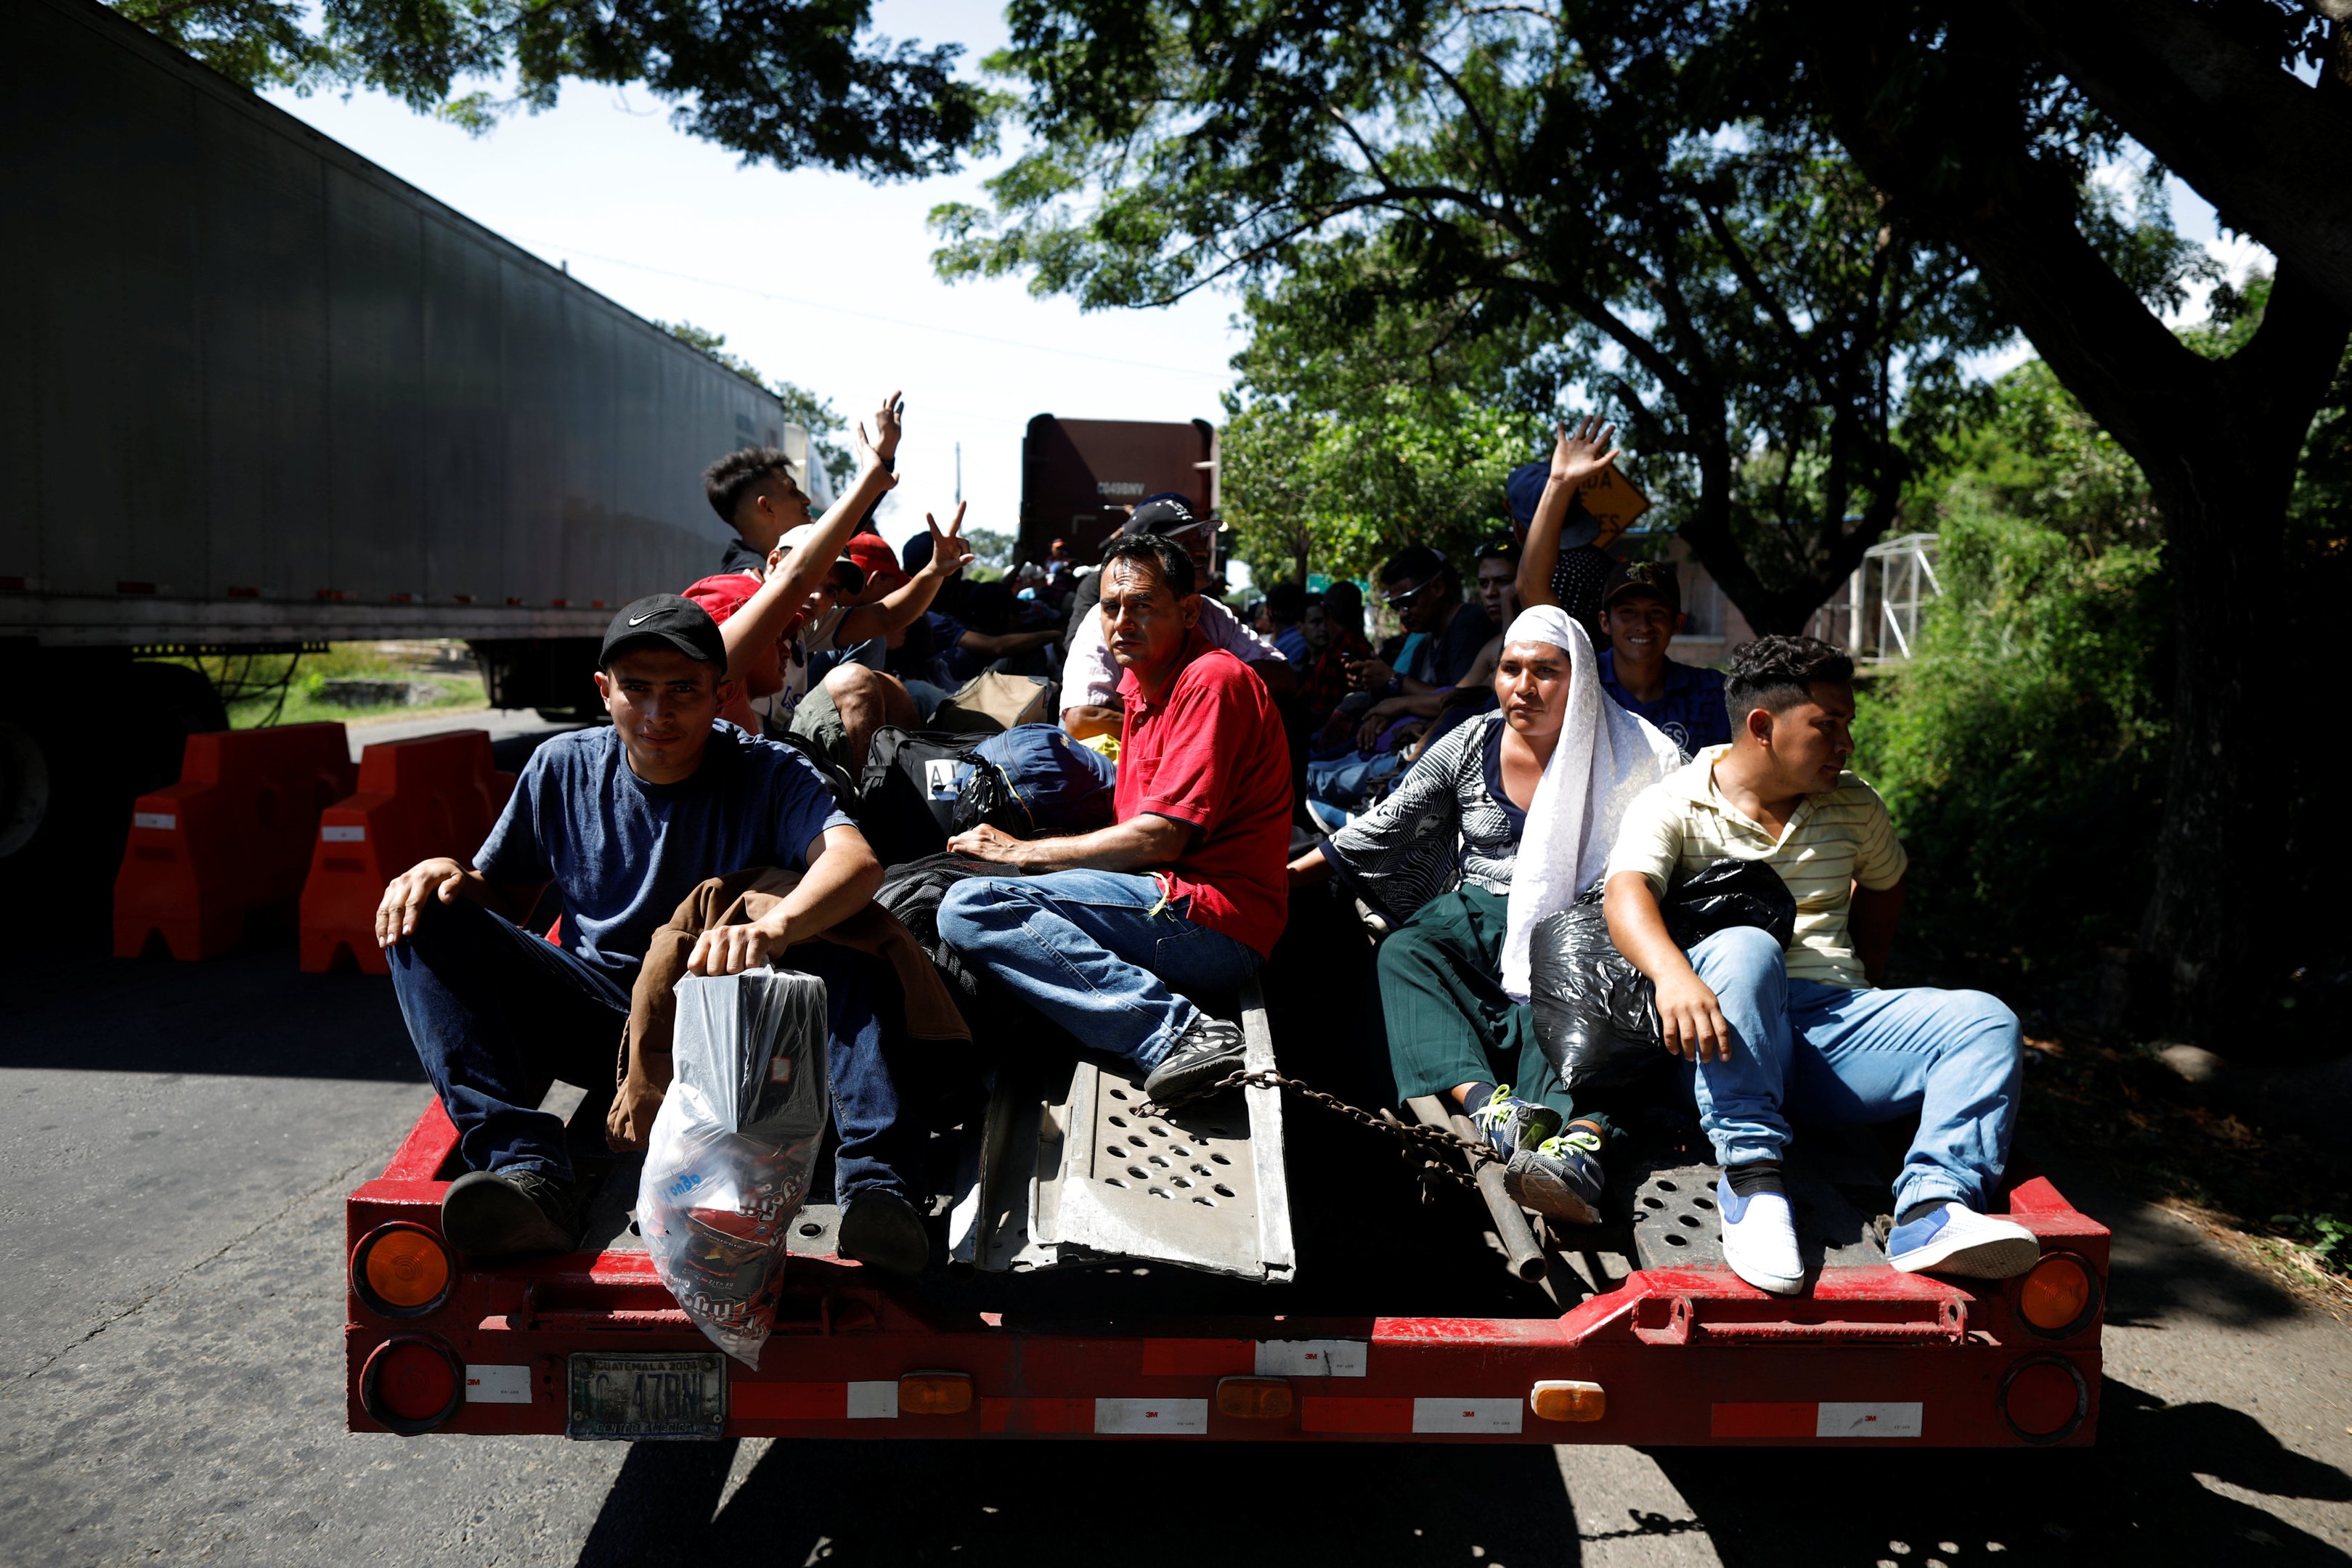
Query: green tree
[991, 551]
[803, 407]
[1982, 131]
[1527, 173]
[794, 83]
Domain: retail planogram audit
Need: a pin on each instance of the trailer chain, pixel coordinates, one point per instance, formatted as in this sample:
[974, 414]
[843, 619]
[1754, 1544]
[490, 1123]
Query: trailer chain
[1422, 1147]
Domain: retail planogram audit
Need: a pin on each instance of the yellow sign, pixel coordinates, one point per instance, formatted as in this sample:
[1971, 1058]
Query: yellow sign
[1614, 502]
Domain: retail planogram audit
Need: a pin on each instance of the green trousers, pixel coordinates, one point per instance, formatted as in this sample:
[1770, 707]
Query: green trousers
[1449, 1020]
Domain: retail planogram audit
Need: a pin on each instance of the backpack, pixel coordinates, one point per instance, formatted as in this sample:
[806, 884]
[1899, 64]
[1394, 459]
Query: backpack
[913, 782]
[1033, 781]
[993, 701]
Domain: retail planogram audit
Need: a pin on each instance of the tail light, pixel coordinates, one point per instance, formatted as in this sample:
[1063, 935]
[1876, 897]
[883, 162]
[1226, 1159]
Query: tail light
[401, 1271]
[412, 1383]
[2044, 1399]
[1561, 1399]
[1255, 1398]
[934, 1394]
[2059, 1295]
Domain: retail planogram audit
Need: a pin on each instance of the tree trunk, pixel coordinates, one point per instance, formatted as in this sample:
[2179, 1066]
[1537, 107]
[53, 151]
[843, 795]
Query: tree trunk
[2218, 439]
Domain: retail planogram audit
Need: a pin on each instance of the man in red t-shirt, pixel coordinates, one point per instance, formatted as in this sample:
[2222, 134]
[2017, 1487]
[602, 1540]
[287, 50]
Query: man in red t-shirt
[1185, 893]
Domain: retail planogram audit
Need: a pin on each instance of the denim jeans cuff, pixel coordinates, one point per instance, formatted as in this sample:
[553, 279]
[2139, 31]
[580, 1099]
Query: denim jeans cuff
[1929, 1189]
[1154, 1050]
[1746, 1150]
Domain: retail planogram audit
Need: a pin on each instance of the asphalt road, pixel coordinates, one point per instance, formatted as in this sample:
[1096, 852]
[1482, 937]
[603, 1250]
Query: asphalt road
[177, 1140]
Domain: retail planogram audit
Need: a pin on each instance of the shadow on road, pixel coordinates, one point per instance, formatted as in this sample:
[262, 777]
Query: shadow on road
[1116, 1505]
[2135, 1498]
[251, 1013]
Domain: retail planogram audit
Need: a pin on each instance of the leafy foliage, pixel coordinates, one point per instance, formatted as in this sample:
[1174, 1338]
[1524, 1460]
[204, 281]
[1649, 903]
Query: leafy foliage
[1603, 185]
[794, 83]
[803, 407]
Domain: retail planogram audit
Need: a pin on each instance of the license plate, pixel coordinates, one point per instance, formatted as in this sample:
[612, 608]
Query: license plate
[639, 1397]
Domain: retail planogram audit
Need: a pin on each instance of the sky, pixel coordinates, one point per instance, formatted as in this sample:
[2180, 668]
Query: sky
[814, 278]
[825, 280]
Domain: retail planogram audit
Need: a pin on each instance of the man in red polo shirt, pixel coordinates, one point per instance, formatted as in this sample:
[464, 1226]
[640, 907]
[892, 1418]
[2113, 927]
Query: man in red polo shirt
[1111, 931]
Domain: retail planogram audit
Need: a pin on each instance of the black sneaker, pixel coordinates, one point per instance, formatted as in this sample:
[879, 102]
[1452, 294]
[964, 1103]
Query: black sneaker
[491, 1214]
[1559, 1176]
[882, 1231]
[1211, 1049]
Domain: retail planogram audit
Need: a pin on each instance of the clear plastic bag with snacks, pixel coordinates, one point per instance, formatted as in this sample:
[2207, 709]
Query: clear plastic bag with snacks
[727, 1166]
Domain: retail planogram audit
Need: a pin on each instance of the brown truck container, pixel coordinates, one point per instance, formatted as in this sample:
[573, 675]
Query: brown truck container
[1079, 478]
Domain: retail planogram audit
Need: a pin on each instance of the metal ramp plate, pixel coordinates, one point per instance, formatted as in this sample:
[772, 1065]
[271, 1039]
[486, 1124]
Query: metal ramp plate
[1675, 1224]
[1068, 1171]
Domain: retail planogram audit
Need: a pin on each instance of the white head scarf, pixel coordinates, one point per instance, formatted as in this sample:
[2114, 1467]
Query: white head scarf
[1606, 756]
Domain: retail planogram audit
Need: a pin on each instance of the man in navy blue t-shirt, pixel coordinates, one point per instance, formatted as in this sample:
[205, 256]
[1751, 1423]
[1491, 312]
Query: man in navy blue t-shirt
[626, 821]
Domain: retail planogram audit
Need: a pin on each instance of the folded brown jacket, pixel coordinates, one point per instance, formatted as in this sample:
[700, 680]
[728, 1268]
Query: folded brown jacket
[737, 900]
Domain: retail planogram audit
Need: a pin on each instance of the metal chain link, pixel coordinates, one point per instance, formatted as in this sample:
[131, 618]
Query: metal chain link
[1425, 1142]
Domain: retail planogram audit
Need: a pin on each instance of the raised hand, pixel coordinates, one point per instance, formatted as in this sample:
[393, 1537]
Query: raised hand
[870, 467]
[1575, 458]
[886, 426]
[949, 553]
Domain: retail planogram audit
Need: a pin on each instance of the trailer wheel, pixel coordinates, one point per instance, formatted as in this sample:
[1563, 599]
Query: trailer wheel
[24, 789]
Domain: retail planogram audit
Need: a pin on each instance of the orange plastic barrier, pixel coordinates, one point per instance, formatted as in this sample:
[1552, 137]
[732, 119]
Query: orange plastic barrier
[232, 837]
[433, 795]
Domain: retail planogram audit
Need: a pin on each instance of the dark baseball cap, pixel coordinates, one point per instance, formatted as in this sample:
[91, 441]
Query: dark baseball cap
[1524, 487]
[1655, 577]
[1166, 514]
[670, 619]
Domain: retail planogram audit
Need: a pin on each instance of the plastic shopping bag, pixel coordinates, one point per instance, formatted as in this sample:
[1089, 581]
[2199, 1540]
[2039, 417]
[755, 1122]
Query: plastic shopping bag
[1595, 1017]
[727, 1166]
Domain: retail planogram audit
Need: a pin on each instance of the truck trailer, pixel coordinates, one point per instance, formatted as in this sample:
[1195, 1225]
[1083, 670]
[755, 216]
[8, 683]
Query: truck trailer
[1080, 477]
[263, 395]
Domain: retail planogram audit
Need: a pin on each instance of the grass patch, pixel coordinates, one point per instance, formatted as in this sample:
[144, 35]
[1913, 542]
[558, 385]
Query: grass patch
[289, 689]
[2282, 1195]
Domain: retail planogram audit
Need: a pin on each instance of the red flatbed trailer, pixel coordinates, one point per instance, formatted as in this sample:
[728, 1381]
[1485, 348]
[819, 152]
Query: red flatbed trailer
[593, 1345]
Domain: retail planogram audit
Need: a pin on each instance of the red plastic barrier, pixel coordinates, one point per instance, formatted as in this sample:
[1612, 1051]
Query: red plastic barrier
[434, 795]
[232, 837]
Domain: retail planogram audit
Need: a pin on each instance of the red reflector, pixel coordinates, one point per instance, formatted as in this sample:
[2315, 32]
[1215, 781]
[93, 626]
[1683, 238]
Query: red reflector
[244, 593]
[512, 601]
[412, 1383]
[558, 603]
[2043, 1398]
[134, 588]
[463, 597]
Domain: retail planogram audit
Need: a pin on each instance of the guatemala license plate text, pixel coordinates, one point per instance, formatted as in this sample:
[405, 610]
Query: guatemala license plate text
[648, 1396]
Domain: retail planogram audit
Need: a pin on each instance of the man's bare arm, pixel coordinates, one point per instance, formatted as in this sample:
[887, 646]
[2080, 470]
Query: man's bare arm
[1690, 1019]
[1005, 644]
[1141, 844]
[763, 616]
[1574, 459]
[441, 878]
[901, 609]
[842, 878]
[1872, 917]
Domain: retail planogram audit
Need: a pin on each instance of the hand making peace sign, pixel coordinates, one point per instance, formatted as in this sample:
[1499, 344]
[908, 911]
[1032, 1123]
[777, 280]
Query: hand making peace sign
[949, 553]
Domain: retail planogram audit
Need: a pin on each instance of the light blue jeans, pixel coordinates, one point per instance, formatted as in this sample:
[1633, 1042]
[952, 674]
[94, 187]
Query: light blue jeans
[1099, 952]
[1838, 1057]
[1347, 781]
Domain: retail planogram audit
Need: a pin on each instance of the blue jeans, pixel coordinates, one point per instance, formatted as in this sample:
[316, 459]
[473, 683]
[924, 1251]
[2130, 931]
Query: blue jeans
[1843, 1058]
[1348, 781]
[496, 1011]
[1099, 952]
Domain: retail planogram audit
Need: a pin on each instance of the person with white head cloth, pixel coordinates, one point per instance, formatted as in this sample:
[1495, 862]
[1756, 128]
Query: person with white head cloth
[1501, 821]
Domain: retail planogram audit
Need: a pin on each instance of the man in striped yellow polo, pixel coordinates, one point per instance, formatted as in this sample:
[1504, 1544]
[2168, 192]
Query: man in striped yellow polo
[1766, 1034]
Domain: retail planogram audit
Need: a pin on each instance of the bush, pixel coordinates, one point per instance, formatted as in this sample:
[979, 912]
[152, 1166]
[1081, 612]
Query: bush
[2021, 750]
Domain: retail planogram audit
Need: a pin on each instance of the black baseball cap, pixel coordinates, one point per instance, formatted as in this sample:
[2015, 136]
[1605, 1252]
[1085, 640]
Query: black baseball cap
[1166, 514]
[1655, 577]
[669, 618]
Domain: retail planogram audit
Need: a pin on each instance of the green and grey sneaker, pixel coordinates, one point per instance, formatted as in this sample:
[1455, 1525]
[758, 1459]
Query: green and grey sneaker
[1559, 1177]
[1514, 1124]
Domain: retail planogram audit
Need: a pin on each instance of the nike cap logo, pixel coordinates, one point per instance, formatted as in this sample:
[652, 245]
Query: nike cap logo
[639, 620]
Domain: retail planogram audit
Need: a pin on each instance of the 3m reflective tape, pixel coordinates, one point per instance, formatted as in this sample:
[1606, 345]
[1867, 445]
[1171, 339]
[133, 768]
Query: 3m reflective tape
[1157, 1417]
[343, 835]
[1869, 1421]
[1311, 1357]
[873, 1401]
[1467, 1414]
[164, 819]
[497, 1384]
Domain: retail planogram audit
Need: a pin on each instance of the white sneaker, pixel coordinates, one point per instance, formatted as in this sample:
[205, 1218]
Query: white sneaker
[1759, 1240]
[1957, 1240]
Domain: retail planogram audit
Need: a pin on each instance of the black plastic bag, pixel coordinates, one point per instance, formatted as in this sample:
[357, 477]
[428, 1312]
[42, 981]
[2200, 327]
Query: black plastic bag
[1595, 1015]
[1725, 893]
